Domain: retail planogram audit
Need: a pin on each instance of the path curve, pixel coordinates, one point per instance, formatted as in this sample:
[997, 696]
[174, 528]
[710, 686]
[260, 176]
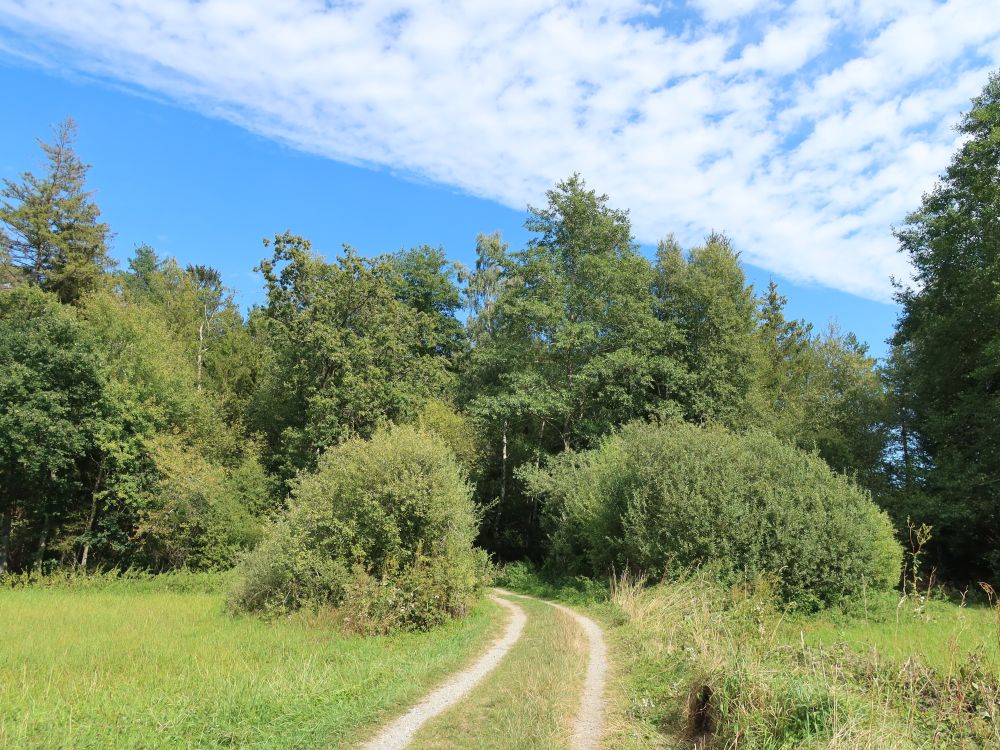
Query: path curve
[400, 732]
[589, 725]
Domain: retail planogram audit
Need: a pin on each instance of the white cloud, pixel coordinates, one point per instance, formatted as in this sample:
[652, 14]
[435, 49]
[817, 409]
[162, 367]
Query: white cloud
[803, 128]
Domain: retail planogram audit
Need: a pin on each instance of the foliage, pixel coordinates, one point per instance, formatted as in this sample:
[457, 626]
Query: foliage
[705, 293]
[424, 280]
[174, 485]
[53, 237]
[139, 467]
[197, 516]
[947, 356]
[676, 497]
[200, 420]
[396, 509]
[457, 431]
[50, 397]
[346, 355]
[568, 345]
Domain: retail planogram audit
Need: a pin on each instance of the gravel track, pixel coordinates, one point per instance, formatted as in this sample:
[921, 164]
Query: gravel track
[400, 732]
[588, 728]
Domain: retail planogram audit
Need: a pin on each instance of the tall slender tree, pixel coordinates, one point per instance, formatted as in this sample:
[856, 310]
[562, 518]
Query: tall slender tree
[948, 344]
[567, 345]
[51, 231]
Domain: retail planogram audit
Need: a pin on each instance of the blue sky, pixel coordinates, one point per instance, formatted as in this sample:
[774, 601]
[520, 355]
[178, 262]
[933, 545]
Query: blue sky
[803, 129]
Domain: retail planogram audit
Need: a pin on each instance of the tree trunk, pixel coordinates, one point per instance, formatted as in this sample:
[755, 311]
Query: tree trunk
[42, 542]
[201, 350]
[6, 520]
[93, 513]
[503, 466]
[90, 526]
[907, 460]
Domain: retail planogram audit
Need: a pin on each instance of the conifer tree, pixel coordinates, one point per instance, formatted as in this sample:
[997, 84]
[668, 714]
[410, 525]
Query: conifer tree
[51, 233]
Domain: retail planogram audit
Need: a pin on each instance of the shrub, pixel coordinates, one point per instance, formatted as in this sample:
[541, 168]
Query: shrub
[670, 498]
[455, 429]
[383, 528]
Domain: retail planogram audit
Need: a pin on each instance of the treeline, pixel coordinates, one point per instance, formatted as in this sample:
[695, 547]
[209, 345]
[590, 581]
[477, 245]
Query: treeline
[146, 422]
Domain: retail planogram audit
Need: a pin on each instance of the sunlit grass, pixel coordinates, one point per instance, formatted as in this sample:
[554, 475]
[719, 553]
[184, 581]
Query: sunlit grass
[147, 669]
[942, 634]
[695, 665]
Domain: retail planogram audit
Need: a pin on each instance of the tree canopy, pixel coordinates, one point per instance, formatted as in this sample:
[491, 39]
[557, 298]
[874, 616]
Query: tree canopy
[52, 234]
[947, 350]
[150, 421]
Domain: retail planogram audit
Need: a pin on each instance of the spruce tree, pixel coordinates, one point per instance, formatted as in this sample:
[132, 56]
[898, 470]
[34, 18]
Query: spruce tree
[51, 234]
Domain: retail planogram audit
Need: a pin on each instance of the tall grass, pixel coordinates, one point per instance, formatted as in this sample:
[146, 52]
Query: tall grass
[120, 580]
[697, 664]
[727, 668]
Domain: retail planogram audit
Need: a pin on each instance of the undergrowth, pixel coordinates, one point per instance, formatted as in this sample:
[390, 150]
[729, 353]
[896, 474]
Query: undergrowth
[701, 665]
[118, 579]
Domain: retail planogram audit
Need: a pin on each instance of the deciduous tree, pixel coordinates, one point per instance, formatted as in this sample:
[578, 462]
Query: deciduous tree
[948, 343]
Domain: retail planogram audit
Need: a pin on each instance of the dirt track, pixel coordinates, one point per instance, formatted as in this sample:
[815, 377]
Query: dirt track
[588, 725]
[400, 732]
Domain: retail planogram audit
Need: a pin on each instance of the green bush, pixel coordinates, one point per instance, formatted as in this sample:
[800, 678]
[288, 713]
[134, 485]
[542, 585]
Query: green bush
[665, 499]
[382, 529]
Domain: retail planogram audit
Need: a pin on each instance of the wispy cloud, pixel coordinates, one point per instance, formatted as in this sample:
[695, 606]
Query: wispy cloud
[804, 128]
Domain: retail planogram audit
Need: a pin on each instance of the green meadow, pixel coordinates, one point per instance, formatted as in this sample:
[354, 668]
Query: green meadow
[138, 667]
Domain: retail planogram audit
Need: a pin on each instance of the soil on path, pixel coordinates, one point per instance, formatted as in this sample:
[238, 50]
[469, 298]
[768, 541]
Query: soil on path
[588, 726]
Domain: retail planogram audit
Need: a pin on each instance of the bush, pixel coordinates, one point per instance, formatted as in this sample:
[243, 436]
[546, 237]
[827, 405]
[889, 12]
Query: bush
[665, 499]
[383, 529]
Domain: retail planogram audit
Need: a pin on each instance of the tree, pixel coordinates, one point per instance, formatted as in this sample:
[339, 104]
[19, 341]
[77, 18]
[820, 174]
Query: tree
[948, 344]
[567, 345]
[823, 393]
[212, 304]
[484, 284]
[53, 236]
[705, 293]
[345, 354]
[425, 281]
[195, 302]
[169, 481]
[844, 414]
[50, 393]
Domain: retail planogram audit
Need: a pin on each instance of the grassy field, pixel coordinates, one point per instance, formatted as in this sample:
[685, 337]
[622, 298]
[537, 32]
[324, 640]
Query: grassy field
[531, 699]
[137, 667]
[696, 665]
[942, 634]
